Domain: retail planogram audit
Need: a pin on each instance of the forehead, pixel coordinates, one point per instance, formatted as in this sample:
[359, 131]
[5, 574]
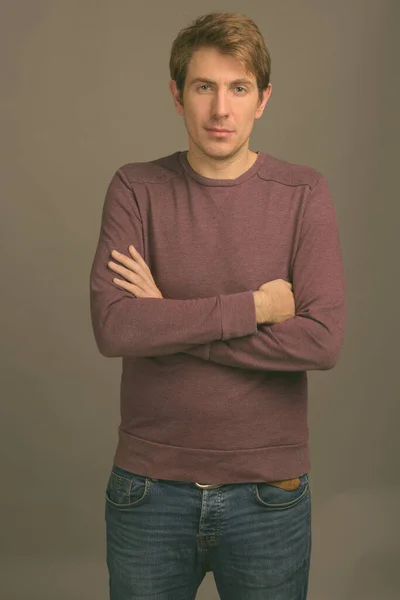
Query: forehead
[210, 63]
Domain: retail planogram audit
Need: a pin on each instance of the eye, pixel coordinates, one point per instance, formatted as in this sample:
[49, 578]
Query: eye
[238, 87]
[203, 86]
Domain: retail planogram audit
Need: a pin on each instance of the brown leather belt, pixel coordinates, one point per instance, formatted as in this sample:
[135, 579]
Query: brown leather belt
[286, 484]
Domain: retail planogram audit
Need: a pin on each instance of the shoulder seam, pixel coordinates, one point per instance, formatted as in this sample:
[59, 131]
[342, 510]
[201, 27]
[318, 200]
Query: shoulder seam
[289, 174]
[287, 184]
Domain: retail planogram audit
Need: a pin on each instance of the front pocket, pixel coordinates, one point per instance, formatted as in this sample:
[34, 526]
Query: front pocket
[277, 498]
[126, 490]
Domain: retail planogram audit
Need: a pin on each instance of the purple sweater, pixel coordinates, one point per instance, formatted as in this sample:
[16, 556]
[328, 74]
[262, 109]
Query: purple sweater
[207, 394]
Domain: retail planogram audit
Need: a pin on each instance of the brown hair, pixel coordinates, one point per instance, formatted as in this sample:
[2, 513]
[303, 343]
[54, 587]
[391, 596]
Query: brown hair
[234, 34]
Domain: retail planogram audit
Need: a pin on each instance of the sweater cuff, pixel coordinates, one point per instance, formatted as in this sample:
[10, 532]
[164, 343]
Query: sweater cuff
[238, 315]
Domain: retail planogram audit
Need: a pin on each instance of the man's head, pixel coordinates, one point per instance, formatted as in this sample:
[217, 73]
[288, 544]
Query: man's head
[220, 69]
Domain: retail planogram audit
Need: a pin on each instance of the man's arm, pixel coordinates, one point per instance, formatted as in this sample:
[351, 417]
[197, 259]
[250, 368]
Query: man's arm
[312, 339]
[126, 326]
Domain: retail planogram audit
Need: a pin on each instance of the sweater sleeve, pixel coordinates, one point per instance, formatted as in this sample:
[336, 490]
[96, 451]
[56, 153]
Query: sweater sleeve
[312, 339]
[126, 326]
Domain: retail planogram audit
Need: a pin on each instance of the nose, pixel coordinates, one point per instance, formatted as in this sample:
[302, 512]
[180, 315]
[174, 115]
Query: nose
[220, 105]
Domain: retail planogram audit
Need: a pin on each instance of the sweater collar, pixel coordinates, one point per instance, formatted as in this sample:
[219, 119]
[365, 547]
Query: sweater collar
[220, 182]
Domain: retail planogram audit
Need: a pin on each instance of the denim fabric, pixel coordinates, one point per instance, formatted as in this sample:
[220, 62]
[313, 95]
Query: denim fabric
[163, 536]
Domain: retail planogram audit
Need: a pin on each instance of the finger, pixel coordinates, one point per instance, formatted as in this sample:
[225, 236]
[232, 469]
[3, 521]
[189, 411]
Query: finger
[138, 281]
[127, 273]
[137, 257]
[137, 278]
[126, 261]
[139, 284]
[149, 292]
[136, 265]
[140, 268]
[130, 287]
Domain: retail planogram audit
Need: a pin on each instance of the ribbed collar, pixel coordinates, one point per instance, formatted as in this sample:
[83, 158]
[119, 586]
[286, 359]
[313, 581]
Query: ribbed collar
[221, 182]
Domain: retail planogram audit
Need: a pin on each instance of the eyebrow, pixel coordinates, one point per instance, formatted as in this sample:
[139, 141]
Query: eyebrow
[211, 82]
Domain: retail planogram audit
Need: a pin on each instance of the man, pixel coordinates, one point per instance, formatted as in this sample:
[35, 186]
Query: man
[218, 279]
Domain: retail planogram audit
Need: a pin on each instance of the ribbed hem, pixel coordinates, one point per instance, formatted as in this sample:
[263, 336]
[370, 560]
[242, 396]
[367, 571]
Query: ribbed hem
[160, 461]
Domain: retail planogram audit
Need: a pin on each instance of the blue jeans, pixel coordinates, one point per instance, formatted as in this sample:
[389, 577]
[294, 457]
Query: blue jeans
[163, 536]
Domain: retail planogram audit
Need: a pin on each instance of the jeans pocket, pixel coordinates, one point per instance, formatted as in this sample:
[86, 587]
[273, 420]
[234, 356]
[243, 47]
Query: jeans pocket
[277, 498]
[126, 490]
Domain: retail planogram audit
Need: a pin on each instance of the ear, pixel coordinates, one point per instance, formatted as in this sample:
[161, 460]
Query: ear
[266, 95]
[176, 97]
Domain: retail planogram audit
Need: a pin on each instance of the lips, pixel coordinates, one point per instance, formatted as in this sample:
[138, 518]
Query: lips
[219, 130]
[219, 134]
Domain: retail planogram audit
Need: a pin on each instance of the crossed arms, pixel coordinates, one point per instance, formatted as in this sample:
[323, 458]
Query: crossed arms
[223, 328]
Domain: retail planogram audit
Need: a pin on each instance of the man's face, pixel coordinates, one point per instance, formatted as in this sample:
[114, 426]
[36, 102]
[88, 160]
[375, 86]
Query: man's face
[218, 93]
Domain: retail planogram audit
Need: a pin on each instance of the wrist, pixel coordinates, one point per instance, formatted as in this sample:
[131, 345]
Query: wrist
[257, 304]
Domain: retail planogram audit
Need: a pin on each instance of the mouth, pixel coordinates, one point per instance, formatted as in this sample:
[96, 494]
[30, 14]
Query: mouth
[219, 132]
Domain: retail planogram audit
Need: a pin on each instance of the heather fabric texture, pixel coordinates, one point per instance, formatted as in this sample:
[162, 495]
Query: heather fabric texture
[207, 394]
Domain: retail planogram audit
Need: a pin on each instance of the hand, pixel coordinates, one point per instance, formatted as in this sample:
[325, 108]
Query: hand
[138, 279]
[274, 302]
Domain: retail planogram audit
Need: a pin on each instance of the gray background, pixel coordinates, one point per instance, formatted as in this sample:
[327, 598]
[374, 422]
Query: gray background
[85, 90]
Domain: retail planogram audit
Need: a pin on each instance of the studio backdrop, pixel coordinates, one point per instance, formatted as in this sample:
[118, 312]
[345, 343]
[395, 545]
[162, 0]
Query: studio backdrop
[84, 91]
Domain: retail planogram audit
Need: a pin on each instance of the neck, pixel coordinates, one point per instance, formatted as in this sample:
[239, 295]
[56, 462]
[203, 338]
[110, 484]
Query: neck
[229, 168]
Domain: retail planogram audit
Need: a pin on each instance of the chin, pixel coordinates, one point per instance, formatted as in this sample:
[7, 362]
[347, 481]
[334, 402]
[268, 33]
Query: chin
[218, 149]
[221, 153]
